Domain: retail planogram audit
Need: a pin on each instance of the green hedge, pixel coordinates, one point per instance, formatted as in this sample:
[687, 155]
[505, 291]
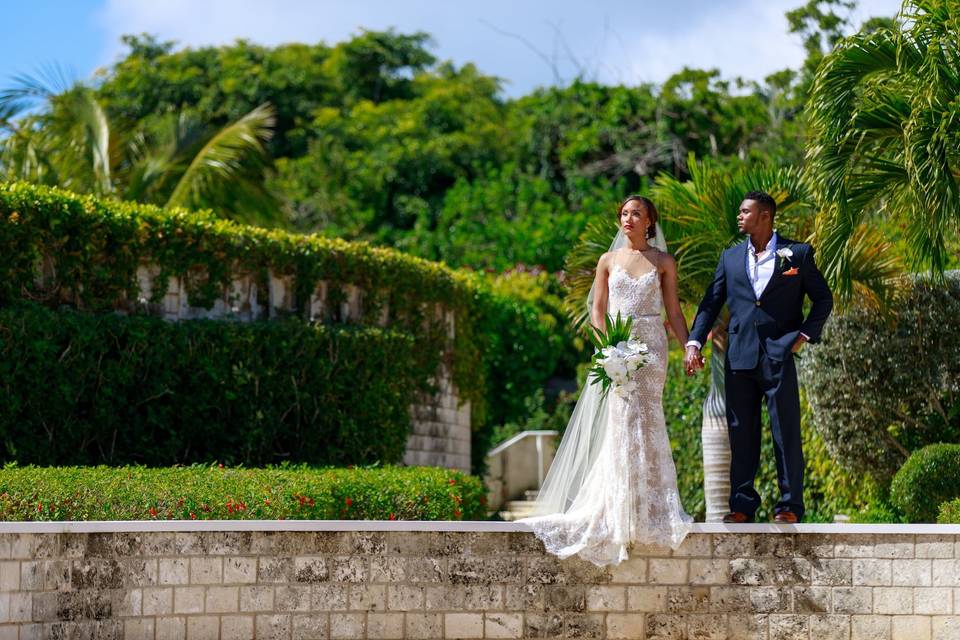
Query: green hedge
[929, 477]
[89, 250]
[105, 389]
[216, 493]
[881, 387]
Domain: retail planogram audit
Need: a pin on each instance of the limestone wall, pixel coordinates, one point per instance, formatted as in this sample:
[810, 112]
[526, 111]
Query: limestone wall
[440, 434]
[810, 583]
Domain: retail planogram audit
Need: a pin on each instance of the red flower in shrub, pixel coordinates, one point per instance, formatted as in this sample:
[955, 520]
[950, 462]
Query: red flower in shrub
[39, 507]
[452, 482]
[193, 516]
[348, 502]
[393, 517]
[153, 512]
[456, 513]
[266, 501]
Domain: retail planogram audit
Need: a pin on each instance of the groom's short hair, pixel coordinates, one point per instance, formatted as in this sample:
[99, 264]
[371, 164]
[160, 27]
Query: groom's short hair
[764, 200]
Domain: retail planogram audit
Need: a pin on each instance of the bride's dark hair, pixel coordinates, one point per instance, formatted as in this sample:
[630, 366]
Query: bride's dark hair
[652, 214]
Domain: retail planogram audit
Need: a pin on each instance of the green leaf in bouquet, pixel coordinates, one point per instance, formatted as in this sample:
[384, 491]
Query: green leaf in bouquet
[615, 330]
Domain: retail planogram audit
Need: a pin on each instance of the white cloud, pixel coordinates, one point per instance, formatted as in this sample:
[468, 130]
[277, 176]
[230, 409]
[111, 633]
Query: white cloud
[613, 41]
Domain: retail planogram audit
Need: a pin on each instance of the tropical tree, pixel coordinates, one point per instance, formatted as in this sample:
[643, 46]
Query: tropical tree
[885, 139]
[63, 137]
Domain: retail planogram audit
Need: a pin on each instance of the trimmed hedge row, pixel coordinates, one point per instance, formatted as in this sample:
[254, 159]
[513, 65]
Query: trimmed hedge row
[93, 389]
[929, 478]
[216, 493]
[88, 251]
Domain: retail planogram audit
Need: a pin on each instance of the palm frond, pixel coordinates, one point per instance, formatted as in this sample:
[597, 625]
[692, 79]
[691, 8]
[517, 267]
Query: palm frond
[28, 91]
[885, 134]
[226, 164]
[89, 116]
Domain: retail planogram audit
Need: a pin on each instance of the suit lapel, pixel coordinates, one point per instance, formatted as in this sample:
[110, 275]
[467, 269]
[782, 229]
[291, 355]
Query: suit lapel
[744, 278]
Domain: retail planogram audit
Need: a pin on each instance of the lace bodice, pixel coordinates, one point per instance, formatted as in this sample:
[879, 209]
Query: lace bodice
[636, 297]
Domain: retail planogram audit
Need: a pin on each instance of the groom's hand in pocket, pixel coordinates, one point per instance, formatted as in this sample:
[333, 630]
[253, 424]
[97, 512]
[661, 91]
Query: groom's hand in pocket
[692, 360]
[801, 340]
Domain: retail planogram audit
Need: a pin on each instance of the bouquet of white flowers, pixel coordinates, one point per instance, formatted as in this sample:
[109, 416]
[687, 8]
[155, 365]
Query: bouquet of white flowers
[618, 356]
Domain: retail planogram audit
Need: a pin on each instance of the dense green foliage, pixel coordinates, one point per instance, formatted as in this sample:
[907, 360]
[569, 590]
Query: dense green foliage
[88, 251]
[883, 386]
[375, 139]
[138, 389]
[217, 493]
[929, 478]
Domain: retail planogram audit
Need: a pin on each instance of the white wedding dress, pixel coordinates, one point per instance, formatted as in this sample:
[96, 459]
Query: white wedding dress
[629, 488]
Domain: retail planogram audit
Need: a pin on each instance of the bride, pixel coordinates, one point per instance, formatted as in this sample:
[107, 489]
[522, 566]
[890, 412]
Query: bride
[613, 481]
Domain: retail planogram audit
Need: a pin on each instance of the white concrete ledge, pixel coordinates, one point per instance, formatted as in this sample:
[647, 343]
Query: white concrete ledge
[122, 526]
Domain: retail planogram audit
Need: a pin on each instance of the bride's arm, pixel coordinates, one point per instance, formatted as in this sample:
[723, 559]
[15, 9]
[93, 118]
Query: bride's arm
[600, 293]
[671, 300]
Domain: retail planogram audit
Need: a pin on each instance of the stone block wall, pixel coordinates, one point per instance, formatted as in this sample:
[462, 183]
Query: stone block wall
[440, 434]
[482, 584]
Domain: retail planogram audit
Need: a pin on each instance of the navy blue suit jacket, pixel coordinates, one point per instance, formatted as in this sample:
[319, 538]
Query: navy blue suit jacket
[773, 321]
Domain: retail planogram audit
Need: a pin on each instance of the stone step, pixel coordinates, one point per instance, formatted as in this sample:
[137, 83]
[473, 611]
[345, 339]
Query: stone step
[518, 509]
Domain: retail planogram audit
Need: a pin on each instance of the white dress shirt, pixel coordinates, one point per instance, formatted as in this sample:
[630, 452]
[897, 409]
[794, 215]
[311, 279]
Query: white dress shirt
[760, 266]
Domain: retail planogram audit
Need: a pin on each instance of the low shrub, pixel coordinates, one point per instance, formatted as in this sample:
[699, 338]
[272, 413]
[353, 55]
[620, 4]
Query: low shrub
[929, 477]
[216, 493]
[949, 512]
[94, 389]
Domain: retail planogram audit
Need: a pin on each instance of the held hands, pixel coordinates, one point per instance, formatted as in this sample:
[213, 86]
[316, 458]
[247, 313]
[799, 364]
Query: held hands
[692, 360]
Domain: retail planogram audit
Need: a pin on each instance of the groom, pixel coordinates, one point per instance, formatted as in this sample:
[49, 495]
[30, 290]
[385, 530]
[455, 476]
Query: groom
[763, 281]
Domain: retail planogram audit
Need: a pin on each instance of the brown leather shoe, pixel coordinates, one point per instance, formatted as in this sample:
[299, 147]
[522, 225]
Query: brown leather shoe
[737, 517]
[786, 517]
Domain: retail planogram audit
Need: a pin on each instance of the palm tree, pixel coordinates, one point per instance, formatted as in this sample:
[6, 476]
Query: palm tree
[699, 220]
[59, 134]
[885, 138]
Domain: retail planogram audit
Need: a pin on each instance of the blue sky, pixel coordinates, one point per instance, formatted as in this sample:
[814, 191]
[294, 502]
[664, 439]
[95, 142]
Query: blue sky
[526, 42]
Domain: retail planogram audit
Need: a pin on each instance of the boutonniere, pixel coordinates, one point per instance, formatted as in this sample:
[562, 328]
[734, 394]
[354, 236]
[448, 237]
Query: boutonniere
[785, 254]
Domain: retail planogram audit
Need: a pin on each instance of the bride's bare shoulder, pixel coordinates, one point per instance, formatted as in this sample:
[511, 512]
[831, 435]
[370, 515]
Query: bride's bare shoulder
[606, 259]
[665, 262]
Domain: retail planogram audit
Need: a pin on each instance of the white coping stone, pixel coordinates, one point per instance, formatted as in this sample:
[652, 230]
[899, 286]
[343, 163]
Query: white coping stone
[74, 526]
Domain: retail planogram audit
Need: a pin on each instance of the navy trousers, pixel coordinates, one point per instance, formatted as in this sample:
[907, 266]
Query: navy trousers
[776, 383]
